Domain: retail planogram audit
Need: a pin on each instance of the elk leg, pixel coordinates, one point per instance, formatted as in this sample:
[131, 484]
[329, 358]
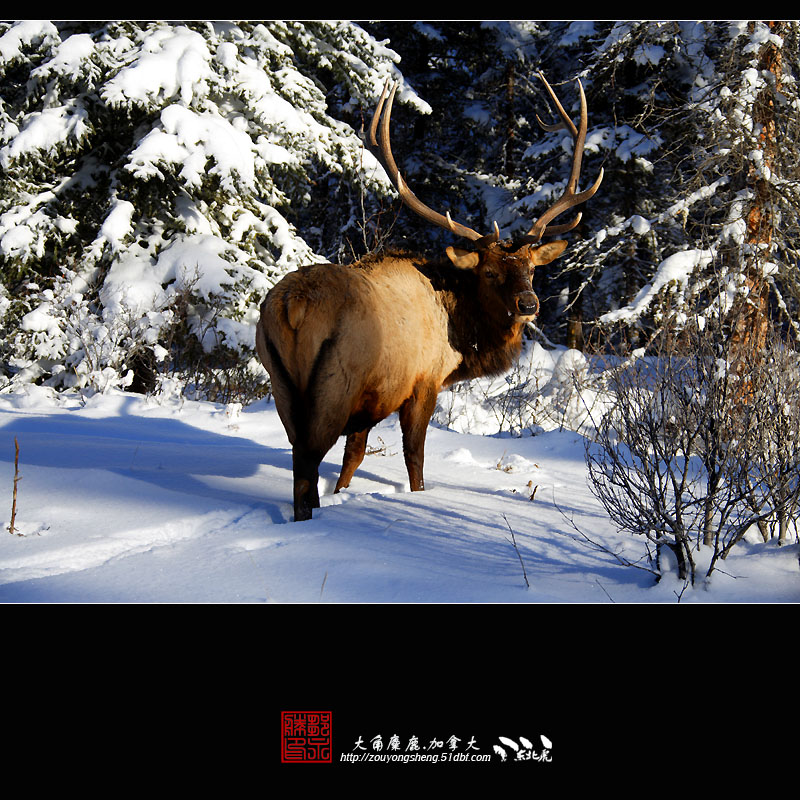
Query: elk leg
[354, 450]
[305, 468]
[415, 414]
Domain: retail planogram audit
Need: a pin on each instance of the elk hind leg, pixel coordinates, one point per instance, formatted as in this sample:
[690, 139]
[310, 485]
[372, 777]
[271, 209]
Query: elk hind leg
[313, 441]
[318, 424]
[307, 454]
[354, 450]
[305, 469]
[308, 450]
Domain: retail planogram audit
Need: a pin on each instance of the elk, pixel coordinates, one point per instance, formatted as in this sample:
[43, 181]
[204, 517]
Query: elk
[346, 346]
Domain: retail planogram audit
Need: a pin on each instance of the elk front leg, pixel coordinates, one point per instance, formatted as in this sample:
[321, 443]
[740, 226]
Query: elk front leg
[415, 414]
[354, 450]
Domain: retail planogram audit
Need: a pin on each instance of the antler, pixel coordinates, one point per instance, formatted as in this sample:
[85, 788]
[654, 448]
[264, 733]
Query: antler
[570, 198]
[382, 151]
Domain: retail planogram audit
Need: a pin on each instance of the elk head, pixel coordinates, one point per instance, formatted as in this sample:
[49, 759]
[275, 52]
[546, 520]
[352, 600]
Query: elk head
[504, 268]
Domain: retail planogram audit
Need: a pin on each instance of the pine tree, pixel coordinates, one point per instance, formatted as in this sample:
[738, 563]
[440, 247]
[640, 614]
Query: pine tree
[722, 220]
[152, 176]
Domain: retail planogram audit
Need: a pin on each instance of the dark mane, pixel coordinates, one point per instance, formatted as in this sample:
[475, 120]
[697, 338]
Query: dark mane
[377, 257]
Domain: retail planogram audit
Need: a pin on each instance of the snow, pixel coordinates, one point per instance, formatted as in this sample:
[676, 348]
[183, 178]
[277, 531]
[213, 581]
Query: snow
[125, 498]
[673, 271]
[23, 33]
[68, 59]
[648, 54]
[46, 130]
[117, 225]
[189, 140]
[174, 62]
[135, 285]
[577, 30]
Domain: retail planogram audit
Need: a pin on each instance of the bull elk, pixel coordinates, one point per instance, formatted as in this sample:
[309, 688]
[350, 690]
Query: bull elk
[346, 346]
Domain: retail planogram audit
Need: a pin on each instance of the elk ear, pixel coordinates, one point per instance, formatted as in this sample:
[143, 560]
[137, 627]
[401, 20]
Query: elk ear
[464, 259]
[545, 253]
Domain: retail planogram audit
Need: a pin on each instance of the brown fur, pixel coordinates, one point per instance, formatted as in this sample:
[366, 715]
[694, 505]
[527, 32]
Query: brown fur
[346, 347]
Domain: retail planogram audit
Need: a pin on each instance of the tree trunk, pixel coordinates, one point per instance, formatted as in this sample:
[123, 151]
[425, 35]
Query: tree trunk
[510, 121]
[575, 314]
[752, 321]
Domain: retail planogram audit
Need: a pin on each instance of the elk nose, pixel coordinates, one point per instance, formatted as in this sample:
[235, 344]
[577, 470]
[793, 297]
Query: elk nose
[528, 304]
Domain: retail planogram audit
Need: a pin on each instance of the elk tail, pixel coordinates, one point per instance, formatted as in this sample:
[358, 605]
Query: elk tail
[296, 310]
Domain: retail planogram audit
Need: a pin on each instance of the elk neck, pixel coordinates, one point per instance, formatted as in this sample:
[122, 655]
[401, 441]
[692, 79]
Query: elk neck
[485, 335]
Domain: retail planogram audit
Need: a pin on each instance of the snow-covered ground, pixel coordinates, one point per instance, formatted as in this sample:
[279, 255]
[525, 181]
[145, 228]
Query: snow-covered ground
[125, 498]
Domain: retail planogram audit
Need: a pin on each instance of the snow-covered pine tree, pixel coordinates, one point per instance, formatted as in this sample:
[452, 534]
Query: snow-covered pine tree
[151, 175]
[719, 228]
[756, 144]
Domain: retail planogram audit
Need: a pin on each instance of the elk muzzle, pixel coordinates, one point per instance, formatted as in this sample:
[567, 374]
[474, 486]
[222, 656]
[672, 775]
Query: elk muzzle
[527, 304]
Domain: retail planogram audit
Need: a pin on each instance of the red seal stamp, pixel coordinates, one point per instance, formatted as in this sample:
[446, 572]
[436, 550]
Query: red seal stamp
[306, 737]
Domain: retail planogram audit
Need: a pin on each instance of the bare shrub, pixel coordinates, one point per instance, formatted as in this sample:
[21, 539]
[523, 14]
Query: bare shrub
[697, 449]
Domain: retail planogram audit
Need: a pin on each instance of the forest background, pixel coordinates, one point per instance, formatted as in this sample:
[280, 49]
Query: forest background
[159, 177]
